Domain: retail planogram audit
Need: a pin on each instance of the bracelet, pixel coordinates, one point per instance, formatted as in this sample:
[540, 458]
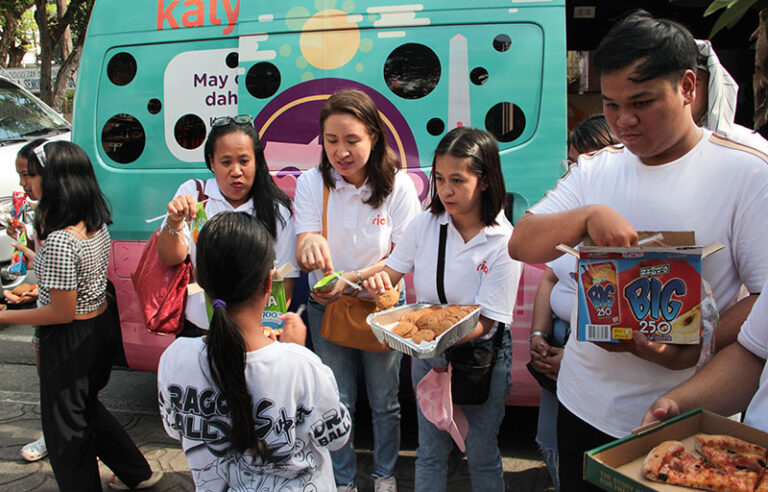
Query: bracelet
[537, 333]
[359, 277]
[173, 231]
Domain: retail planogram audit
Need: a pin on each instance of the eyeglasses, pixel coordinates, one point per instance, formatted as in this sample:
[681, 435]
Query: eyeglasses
[241, 119]
[40, 153]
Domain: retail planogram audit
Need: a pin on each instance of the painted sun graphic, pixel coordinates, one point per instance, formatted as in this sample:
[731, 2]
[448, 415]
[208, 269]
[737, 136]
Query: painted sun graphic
[329, 39]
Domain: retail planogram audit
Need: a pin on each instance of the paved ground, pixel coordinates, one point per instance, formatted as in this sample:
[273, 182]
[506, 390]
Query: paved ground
[131, 396]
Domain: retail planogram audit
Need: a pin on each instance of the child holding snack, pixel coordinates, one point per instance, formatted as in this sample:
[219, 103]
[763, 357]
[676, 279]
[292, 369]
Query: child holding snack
[468, 194]
[31, 181]
[274, 409]
[241, 183]
[78, 337]
[368, 205]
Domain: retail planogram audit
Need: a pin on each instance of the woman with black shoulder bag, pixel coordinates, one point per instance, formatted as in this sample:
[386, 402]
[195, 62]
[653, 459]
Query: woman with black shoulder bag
[457, 253]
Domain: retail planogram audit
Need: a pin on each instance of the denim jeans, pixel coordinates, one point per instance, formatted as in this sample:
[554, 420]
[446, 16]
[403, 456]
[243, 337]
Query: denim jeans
[483, 456]
[546, 434]
[382, 382]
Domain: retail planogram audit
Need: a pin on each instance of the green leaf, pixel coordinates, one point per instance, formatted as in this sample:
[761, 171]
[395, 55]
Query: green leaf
[717, 5]
[732, 15]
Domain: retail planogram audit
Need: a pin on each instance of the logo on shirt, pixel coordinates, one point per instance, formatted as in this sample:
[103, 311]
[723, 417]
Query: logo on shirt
[483, 267]
[379, 220]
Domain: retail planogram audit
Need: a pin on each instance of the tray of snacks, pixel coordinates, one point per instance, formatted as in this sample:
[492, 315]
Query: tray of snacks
[424, 330]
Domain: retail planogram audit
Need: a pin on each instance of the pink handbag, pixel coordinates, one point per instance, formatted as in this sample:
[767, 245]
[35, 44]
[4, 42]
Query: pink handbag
[162, 290]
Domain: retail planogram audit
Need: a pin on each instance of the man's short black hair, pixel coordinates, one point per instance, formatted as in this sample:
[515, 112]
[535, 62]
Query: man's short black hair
[666, 48]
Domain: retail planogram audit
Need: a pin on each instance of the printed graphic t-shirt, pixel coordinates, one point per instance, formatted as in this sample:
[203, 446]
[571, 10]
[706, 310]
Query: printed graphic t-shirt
[296, 411]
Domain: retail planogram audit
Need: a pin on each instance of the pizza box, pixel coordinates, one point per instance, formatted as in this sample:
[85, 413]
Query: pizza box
[616, 465]
[382, 323]
[654, 288]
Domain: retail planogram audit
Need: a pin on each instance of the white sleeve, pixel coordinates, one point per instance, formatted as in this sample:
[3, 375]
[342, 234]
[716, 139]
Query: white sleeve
[754, 332]
[285, 245]
[498, 290]
[403, 257]
[332, 423]
[308, 211]
[404, 205]
[748, 244]
[566, 195]
[164, 396]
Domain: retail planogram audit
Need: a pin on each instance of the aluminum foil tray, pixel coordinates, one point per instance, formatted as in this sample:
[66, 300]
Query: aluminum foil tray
[382, 323]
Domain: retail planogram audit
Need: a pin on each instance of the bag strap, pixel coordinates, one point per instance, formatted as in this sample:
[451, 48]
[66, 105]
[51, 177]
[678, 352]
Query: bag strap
[499, 336]
[441, 265]
[200, 190]
[326, 193]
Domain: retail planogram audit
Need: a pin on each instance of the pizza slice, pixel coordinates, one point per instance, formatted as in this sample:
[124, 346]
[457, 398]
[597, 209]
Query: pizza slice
[730, 452]
[763, 485]
[670, 463]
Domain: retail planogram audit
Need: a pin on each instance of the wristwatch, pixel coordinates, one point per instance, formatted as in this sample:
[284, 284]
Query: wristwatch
[537, 333]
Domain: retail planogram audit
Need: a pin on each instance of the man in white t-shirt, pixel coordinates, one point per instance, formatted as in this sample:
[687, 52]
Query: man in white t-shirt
[670, 175]
[734, 378]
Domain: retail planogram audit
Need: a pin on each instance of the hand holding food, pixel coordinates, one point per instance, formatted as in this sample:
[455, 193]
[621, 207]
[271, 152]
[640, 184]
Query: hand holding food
[387, 299]
[377, 283]
[22, 294]
[181, 208]
[294, 329]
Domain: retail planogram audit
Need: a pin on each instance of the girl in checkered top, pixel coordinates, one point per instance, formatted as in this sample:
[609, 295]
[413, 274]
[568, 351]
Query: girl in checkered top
[78, 335]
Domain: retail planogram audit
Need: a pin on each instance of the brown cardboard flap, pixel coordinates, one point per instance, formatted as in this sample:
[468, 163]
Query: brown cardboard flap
[282, 272]
[567, 249]
[711, 248]
[646, 428]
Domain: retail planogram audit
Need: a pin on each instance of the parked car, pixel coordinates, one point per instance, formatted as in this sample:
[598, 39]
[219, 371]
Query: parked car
[23, 118]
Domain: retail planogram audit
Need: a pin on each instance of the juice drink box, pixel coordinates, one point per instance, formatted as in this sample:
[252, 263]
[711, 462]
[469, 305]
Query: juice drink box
[656, 289]
[18, 263]
[277, 305]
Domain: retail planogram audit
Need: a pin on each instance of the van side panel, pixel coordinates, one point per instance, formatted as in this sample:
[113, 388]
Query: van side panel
[154, 75]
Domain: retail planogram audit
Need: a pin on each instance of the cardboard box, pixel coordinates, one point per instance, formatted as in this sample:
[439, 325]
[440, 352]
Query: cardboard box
[654, 288]
[617, 465]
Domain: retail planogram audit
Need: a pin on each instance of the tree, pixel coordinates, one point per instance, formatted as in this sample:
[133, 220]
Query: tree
[11, 12]
[733, 11]
[52, 35]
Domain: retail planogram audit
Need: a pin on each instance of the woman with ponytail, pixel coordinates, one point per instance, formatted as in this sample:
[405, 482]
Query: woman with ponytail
[251, 413]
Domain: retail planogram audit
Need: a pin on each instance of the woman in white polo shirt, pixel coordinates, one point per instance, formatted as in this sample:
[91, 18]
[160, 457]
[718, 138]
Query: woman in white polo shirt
[369, 205]
[240, 183]
[468, 196]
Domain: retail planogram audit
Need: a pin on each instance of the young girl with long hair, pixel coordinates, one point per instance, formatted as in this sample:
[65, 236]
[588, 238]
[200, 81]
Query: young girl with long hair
[78, 334]
[468, 195]
[241, 182]
[30, 181]
[369, 204]
[251, 413]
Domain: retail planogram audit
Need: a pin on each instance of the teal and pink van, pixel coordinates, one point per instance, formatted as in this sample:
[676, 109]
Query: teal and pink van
[155, 74]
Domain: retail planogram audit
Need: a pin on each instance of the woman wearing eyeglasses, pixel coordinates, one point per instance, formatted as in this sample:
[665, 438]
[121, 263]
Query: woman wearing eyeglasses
[78, 332]
[240, 183]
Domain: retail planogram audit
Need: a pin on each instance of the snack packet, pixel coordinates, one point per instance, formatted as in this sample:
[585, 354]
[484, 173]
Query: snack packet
[199, 221]
[18, 260]
[277, 305]
[326, 283]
